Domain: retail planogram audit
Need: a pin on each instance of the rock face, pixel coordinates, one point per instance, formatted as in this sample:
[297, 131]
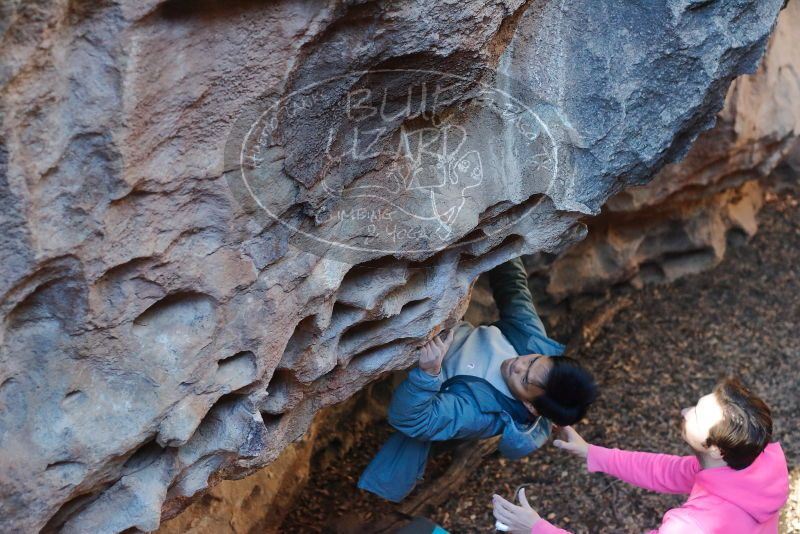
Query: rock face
[678, 223]
[681, 222]
[220, 217]
[259, 503]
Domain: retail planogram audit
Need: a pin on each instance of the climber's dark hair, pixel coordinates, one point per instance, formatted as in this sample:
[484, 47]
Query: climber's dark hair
[746, 427]
[568, 392]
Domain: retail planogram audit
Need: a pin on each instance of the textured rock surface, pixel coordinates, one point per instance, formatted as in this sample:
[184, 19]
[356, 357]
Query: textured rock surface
[677, 224]
[161, 332]
[258, 503]
[680, 222]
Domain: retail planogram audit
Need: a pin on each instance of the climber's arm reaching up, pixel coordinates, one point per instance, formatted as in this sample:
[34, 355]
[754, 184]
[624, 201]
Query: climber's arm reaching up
[519, 321]
[421, 411]
[509, 283]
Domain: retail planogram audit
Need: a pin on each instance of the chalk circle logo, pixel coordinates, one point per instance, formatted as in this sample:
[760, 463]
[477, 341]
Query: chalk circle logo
[390, 162]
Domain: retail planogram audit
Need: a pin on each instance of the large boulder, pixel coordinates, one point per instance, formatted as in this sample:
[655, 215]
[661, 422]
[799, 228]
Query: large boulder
[219, 218]
[682, 221]
[677, 224]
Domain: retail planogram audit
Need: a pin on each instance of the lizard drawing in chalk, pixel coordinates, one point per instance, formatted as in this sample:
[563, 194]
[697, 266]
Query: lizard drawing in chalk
[433, 166]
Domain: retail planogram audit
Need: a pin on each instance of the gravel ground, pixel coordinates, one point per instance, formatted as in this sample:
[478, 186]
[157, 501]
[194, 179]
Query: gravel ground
[656, 356]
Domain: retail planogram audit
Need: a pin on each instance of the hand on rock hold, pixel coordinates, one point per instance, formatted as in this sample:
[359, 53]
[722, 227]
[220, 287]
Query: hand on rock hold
[432, 353]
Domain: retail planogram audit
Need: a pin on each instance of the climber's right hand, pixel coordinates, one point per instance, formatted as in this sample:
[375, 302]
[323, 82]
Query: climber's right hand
[432, 353]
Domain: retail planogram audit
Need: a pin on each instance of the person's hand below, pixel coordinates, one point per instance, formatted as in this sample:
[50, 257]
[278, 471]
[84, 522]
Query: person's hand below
[432, 353]
[572, 442]
[518, 519]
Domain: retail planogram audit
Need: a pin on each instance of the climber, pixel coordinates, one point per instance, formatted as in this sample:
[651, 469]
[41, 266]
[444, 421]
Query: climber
[736, 480]
[507, 378]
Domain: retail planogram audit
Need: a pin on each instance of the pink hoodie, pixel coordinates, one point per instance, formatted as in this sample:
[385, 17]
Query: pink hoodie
[721, 499]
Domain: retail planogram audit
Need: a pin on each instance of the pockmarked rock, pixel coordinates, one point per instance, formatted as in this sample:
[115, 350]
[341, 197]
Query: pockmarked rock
[188, 277]
[678, 224]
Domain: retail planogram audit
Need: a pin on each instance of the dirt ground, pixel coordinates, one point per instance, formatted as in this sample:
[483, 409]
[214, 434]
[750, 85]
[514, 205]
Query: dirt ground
[656, 356]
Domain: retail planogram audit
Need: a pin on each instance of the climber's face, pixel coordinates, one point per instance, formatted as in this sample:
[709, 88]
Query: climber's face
[526, 376]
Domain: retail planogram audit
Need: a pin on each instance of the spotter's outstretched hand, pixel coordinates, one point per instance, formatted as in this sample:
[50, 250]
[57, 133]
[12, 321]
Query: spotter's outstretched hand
[518, 519]
[572, 442]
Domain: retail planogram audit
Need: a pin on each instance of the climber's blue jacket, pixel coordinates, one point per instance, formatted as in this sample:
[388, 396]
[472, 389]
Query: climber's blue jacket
[427, 408]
